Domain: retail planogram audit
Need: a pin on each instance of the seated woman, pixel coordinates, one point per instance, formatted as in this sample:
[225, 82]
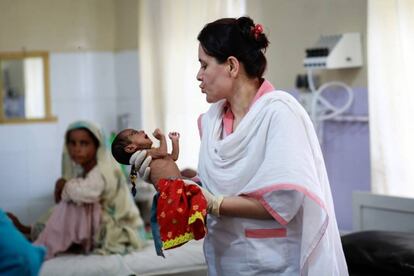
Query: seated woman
[95, 210]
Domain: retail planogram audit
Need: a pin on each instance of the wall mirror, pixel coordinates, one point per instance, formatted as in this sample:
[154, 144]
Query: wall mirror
[24, 87]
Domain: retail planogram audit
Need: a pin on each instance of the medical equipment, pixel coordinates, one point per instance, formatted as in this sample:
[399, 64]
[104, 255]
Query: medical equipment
[332, 52]
[335, 52]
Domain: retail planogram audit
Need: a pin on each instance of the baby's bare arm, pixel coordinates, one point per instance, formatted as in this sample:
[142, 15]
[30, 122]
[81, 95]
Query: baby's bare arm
[161, 151]
[174, 136]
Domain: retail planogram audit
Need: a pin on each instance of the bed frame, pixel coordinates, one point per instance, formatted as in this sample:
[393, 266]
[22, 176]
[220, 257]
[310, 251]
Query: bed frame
[381, 212]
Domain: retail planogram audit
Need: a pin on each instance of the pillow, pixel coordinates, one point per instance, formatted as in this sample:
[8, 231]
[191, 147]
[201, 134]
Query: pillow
[379, 253]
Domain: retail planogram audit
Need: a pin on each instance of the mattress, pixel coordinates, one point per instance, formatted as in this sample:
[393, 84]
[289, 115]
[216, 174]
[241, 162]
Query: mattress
[185, 260]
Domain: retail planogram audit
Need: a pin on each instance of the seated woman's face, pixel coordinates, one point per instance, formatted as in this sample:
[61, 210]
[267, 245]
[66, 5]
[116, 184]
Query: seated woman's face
[81, 147]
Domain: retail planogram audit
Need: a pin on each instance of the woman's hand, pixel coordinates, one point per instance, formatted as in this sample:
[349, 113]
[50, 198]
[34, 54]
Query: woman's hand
[213, 202]
[60, 184]
[141, 162]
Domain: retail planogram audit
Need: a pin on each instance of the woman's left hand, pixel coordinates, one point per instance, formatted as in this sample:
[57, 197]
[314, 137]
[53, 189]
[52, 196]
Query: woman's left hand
[213, 202]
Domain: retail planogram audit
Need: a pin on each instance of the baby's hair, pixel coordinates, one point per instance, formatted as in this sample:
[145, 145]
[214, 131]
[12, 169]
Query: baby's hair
[94, 139]
[118, 148]
[239, 38]
[118, 152]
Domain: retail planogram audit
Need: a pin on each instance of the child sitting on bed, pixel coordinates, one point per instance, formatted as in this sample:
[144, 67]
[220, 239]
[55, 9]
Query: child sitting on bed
[95, 211]
[180, 208]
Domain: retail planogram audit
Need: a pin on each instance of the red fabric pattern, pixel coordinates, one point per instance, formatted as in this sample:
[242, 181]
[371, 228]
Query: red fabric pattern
[181, 212]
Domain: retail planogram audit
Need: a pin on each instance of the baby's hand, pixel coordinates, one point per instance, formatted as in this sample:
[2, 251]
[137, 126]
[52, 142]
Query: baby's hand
[174, 136]
[158, 133]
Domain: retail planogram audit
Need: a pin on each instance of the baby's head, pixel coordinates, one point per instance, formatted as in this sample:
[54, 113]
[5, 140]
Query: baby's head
[127, 142]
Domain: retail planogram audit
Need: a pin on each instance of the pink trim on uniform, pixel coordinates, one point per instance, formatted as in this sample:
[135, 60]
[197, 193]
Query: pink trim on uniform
[266, 87]
[271, 211]
[200, 132]
[228, 117]
[315, 243]
[276, 187]
[265, 233]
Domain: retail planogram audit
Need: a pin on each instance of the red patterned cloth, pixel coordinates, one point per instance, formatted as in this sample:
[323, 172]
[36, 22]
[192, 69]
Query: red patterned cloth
[181, 212]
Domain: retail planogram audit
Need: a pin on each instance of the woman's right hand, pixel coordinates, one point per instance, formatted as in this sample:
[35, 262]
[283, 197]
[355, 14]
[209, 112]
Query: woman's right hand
[60, 184]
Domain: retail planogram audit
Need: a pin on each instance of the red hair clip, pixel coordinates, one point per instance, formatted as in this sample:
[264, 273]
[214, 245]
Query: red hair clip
[257, 30]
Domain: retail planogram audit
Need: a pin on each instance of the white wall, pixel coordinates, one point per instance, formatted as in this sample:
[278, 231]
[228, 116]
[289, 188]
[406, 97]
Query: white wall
[292, 26]
[29, 164]
[128, 89]
[93, 74]
[83, 86]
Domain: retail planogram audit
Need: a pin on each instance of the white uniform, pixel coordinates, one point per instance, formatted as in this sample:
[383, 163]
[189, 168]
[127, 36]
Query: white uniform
[273, 156]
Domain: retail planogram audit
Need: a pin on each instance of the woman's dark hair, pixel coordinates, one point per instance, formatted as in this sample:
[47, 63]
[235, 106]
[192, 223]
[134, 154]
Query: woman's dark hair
[236, 37]
[94, 139]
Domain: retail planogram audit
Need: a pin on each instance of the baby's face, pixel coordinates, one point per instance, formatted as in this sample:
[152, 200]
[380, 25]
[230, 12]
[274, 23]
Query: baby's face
[139, 138]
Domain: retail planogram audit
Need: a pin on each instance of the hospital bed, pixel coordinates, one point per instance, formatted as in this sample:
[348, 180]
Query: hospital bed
[187, 260]
[382, 242]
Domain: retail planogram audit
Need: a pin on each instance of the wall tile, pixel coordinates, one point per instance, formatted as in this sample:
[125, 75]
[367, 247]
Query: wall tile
[127, 75]
[43, 170]
[14, 177]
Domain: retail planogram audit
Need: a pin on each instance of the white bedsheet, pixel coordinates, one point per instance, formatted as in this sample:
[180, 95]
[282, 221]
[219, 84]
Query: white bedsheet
[184, 259]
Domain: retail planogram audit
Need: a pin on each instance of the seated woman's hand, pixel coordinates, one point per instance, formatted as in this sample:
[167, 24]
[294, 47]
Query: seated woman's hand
[60, 184]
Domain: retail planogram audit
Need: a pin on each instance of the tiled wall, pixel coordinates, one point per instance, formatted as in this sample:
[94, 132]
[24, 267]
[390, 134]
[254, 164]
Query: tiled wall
[127, 81]
[83, 86]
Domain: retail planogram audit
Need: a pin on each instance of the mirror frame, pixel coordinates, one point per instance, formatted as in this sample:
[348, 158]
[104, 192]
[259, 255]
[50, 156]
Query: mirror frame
[48, 108]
